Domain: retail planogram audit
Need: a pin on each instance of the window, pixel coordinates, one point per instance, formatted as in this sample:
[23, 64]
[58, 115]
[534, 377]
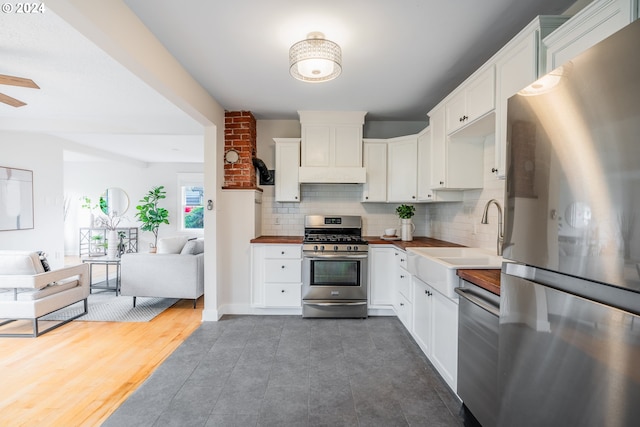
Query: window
[191, 190]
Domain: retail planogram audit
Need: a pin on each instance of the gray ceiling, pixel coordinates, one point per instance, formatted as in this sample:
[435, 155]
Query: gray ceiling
[400, 57]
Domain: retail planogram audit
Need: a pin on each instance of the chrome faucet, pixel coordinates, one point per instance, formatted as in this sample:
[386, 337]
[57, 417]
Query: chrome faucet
[485, 220]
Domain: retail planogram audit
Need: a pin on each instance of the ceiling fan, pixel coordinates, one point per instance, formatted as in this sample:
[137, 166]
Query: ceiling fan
[15, 81]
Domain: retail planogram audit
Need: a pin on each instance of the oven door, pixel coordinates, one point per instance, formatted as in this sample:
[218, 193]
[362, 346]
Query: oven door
[334, 276]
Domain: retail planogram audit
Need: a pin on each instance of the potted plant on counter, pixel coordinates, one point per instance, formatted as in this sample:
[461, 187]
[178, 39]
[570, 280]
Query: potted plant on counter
[151, 215]
[406, 212]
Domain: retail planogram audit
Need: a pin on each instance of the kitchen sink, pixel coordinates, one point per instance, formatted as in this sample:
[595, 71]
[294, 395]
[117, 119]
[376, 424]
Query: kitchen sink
[437, 266]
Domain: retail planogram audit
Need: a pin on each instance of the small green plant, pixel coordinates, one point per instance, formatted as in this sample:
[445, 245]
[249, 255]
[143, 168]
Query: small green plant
[150, 214]
[406, 211]
[86, 203]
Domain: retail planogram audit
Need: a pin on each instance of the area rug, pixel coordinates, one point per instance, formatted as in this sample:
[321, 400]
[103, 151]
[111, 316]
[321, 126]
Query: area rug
[106, 307]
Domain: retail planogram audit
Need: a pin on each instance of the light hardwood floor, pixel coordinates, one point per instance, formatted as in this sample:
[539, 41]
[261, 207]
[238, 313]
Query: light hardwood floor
[78, 374]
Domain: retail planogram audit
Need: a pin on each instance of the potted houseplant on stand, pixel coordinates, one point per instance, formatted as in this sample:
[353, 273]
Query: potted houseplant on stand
[151, 215]
[406, 212]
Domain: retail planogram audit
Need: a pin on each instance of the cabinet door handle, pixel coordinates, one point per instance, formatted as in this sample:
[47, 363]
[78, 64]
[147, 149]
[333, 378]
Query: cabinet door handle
[494, 170]
[282, 266]
[413, 197]
[401, 304]
[282, 291]
[441, 182]
[366, 198]
[282, 252]
[401, 276]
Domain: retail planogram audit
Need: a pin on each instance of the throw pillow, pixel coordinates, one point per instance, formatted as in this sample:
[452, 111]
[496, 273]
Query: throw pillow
[171, 245]
[193, 247]
[43, 260]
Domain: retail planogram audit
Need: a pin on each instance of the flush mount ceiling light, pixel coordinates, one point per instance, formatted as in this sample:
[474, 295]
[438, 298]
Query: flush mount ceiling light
[315, 59]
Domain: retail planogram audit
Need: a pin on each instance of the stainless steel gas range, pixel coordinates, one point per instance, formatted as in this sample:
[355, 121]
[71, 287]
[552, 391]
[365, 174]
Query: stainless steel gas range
[334, 267]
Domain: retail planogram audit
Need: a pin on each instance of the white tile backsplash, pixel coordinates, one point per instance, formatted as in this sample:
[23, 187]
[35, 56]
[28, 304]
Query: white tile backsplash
[454, 222]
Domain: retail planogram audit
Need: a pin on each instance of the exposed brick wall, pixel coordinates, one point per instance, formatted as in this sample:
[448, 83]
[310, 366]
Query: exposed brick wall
[240, 134]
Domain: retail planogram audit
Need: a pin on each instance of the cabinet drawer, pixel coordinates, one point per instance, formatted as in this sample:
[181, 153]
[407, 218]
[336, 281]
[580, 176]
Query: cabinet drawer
[283, 270]
[404, 311]
[401, 259]
[404, 283]
[283, 251]
[282, 295]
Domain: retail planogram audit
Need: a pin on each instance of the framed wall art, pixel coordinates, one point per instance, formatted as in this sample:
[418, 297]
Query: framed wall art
[16, 199]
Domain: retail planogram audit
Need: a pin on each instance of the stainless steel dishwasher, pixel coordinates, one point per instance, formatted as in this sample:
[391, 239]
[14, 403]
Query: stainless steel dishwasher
[479, 316]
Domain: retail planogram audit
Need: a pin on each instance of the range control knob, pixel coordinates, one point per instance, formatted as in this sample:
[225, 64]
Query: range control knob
[355, 248]
[348, 248]
[315, 248]
[335, 248]
[322, 248]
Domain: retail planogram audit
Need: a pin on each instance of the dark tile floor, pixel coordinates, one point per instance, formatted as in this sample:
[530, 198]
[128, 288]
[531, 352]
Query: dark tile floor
[289, 371]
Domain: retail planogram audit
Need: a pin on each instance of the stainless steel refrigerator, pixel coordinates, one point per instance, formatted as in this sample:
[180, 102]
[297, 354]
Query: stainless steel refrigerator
[569, 332]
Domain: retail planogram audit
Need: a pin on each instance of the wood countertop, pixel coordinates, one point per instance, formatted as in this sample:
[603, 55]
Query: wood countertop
[417, 242]
[486, 279]
[373, 240]
[283, 240]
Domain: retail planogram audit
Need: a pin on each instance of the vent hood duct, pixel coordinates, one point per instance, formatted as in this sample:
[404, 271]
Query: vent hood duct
[332, 175]
[266, 177]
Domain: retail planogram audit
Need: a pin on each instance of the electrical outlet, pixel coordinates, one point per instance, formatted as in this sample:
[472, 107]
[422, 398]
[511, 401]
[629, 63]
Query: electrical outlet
[277, 221]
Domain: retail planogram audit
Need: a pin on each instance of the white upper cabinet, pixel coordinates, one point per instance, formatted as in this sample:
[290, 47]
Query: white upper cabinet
[472, 100]
[425, 194]
[375, 162]
[403, 169]
[455, 163]
[518, 64]
[287, 162]
[594, 23]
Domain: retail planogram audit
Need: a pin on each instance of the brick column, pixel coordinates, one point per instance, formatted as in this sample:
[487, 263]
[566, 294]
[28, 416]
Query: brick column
[240, 135]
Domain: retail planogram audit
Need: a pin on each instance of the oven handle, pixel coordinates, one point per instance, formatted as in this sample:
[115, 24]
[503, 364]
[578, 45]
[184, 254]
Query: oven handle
[330, 303]
[342, 255]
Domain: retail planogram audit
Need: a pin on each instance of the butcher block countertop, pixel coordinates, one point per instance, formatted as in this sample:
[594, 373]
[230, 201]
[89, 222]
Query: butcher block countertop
[486, 279]
[282, 240]
[417, 242]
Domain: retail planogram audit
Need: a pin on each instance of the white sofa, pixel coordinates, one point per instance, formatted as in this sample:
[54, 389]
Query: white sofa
[28, 292]
[176, 271]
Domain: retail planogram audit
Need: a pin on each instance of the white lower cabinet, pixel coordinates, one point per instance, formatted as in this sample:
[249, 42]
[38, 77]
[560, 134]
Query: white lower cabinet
[435, 329]
[402, 303]
[277, 276]
[381, 276]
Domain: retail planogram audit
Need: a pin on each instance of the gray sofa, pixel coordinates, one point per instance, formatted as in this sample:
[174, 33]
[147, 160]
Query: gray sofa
[164, 275]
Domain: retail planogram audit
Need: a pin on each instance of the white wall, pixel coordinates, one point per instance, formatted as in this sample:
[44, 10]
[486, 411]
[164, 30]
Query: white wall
[43, 155]
[92, 178]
